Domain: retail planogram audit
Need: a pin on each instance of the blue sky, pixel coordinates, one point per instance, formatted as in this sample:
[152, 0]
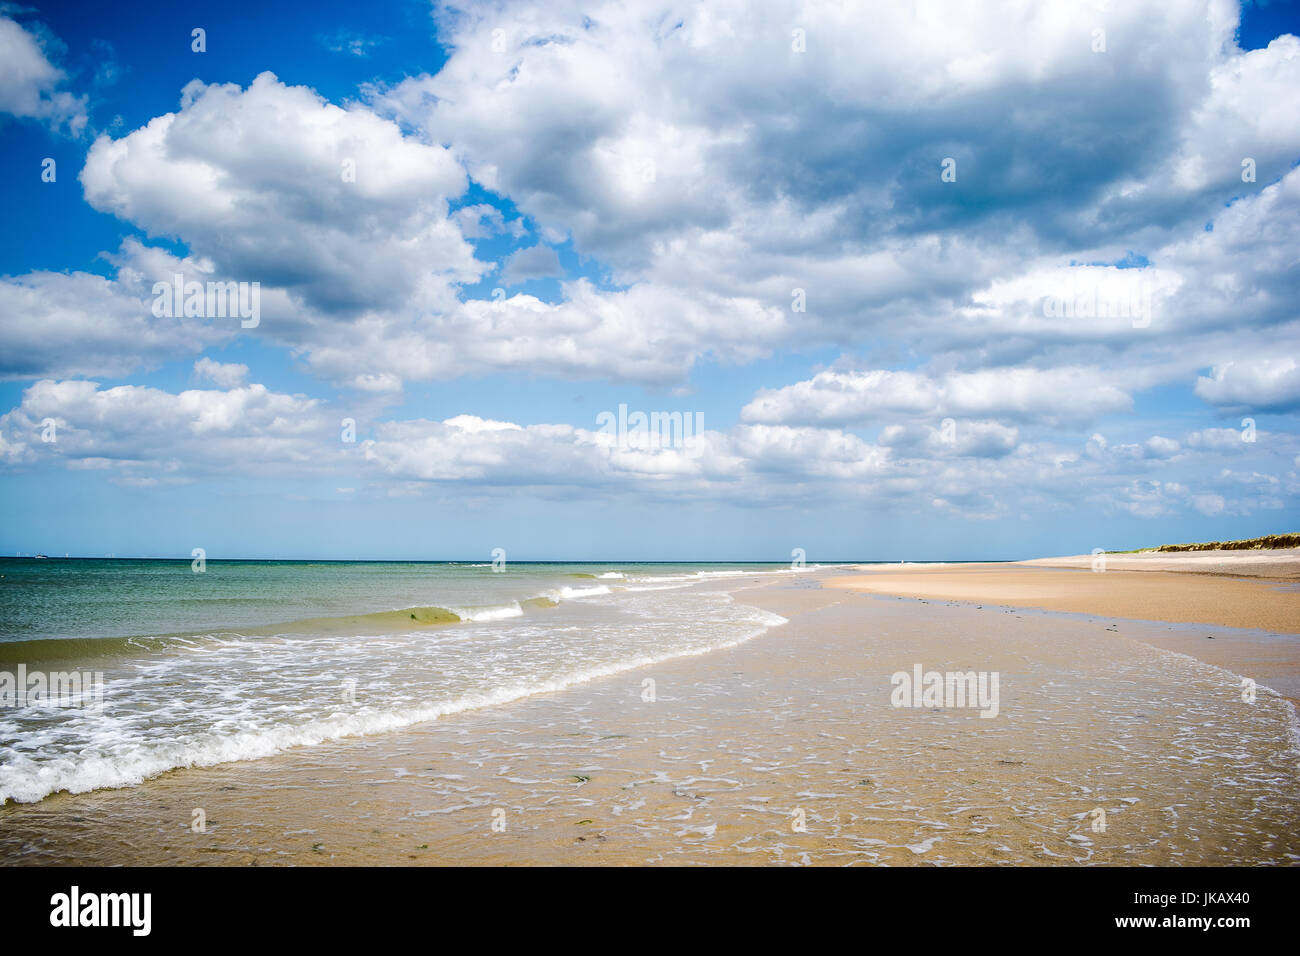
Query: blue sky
[558, 209]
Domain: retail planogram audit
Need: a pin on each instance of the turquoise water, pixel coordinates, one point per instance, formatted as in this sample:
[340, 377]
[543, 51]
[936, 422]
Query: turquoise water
[249, 658]
[90, 597]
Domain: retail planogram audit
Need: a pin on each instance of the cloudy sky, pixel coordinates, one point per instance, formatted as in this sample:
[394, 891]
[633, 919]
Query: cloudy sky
[939, 279]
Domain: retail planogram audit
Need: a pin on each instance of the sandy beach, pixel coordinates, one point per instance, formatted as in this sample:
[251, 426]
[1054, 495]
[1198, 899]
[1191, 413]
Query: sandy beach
[1253, 596]
[1115, 741]
[1248, 591]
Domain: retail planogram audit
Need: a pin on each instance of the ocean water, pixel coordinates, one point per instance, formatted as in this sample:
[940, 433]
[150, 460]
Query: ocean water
[249, 658]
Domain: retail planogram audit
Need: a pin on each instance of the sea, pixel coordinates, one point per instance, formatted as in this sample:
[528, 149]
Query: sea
[113, 671]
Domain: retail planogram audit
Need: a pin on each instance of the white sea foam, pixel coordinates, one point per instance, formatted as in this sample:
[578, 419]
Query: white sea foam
[570, 594]
[255, 697]
[499, 612]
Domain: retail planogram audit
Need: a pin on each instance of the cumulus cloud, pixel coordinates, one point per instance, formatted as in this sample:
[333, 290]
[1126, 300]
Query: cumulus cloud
[140, 435]
[631, 124]
[745, 152]
[1265, 384]
[362, 276]
[535, 262]
[739, 181]
[858, 397]
[482, 220]
[223, 375]
[646, 334]
[1227, 440]
[30, 84]
[137, 433]
[704, 158]
[64, 324]
[978, 439]
[671, 121]
[274, 184]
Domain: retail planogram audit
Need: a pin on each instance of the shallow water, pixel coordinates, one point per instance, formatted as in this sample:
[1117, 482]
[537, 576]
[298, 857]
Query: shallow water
[194, 670]
[737, 745]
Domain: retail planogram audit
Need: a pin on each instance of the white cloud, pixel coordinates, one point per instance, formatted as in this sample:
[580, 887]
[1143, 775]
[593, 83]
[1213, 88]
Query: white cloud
[62, 324]
[222, 375]
[138, 436]
[1265, 384]
[1227, 440]
[647, 334]
[1208, 505]
[535, 262]
[857, 397]
[482, 220]
[138, 433]
[274, 184]
[695, 150]
[951, 438]
[716, 170]
[1158, 446]
[30, 83]
[705, 170]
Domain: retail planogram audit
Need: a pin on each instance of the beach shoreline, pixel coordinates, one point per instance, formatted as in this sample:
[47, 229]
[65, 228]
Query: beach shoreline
[1239, 610]
[736, 747]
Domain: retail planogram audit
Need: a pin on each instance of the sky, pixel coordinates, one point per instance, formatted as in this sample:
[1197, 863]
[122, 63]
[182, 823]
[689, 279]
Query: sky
[931, 281]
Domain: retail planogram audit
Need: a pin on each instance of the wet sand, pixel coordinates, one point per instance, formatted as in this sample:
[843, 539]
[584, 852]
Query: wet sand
[1254, 595]
[1264, 603]
[738, 747]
